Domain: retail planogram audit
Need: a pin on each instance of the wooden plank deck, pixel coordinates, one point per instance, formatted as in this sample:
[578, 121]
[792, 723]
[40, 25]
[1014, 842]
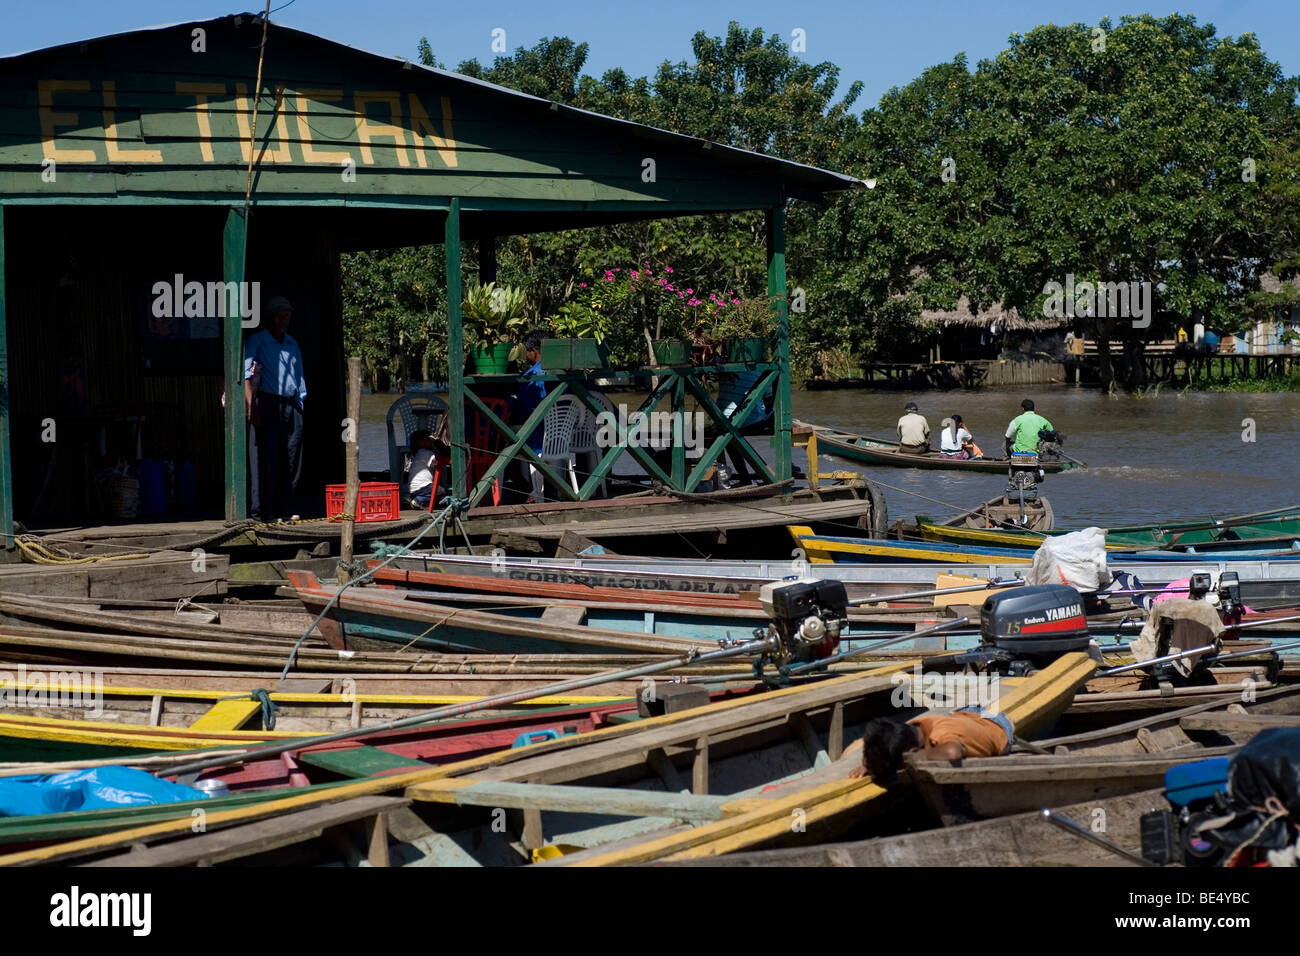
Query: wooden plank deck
[164, 575]
[233, 843]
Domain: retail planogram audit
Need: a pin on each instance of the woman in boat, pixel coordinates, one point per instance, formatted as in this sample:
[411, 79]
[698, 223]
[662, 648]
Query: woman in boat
[956, 442]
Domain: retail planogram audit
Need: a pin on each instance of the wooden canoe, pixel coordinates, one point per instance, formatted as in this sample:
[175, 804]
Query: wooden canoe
[1089, 766]
[76, 721]
[575, 787]
[835, 549]
[1019, 840]
[1275, 528]
[872, 451]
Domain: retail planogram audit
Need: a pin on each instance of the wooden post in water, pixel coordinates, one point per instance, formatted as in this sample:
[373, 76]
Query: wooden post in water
[353, 477]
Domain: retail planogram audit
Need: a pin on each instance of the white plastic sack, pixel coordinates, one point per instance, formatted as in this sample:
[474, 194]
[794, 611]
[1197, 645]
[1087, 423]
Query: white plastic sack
[1077, 559]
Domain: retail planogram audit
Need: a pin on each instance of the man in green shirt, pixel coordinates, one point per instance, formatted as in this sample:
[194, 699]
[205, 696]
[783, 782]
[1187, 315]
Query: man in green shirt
[1022, 433]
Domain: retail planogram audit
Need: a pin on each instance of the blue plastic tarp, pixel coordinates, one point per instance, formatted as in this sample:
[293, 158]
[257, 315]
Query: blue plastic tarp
[95, 789]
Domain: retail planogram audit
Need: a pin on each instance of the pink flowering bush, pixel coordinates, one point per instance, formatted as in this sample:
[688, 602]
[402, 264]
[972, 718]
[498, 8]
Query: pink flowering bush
[622, 304]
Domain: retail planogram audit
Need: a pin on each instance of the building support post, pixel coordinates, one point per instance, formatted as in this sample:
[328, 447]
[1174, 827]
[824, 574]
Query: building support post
[455, 352]
[776, 291]
[6, 460]
[234, 245]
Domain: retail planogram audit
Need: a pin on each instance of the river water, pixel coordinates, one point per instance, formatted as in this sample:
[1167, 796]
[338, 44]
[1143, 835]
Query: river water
[1149, 459]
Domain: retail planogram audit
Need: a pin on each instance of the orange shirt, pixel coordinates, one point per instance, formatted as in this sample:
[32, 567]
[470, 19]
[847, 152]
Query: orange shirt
[978, 736]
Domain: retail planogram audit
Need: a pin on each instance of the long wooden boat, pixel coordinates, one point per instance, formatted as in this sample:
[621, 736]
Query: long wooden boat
[496, 623]
[1095, 765]
[80, 719]
[1274, 530]
[1265, 578]
[739, 521]
[598, 789]
[872, 451]
[1019, 840]
[836, 549]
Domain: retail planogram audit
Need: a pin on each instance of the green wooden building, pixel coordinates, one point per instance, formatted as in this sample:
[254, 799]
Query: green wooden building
[134, 166]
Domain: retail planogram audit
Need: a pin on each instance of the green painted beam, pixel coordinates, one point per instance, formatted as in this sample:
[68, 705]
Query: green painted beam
[782, 444]
[518, 444]
[234, 244]
[455, 351]
[6, 461]
[730, 432]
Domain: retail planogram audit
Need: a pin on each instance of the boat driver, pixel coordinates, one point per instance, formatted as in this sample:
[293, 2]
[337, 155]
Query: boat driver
[1022, 433]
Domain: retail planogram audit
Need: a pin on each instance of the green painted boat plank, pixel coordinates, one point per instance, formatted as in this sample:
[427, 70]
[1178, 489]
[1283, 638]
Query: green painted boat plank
[360, 761]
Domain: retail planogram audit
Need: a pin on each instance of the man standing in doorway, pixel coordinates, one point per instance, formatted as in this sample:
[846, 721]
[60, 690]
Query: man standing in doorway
[274, 395]
[1022, 433]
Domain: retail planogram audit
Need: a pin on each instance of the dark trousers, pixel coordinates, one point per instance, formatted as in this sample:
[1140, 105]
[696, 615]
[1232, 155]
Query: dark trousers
[275, 456]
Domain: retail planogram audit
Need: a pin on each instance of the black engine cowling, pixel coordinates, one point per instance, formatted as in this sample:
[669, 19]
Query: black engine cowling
[1035, 621]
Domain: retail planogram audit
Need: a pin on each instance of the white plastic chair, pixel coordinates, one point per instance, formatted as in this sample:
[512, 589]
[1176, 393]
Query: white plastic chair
[557, 440]
[420, 411]
[584, 438]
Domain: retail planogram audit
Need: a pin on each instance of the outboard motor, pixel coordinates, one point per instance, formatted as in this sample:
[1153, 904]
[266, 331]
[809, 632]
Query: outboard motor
[1196, 791]
[1027, 628]
[807, 615]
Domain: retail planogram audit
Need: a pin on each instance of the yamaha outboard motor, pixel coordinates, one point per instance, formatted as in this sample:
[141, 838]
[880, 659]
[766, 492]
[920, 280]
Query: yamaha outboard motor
[1027, 628]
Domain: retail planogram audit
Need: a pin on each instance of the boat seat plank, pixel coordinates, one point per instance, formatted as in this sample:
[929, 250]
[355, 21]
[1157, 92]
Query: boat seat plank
[227, 714]
[1237, 723]
[358, 762]
[556, 798]
[235, 842]
[599, 755]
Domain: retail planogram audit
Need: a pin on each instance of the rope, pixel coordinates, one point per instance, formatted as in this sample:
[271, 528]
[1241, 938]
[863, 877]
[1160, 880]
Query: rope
[38, 553]
[262, 696]
[454, 507]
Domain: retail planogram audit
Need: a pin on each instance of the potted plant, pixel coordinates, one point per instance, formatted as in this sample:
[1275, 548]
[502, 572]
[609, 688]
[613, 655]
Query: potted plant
[579, 339]
[492, 316]
[745, 327]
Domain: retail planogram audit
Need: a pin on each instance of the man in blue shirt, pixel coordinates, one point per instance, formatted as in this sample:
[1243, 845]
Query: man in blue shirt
[528, 395]
[274, 395]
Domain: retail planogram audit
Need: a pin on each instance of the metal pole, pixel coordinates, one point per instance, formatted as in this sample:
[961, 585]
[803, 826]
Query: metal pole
[935, 592]
[1156, 660]
[456, 710]
[1250, 651]
[1069, 826]
[836, 658]
[1265, 623]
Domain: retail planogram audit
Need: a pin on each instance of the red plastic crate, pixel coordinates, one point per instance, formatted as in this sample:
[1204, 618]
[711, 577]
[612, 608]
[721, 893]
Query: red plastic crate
[376, 501]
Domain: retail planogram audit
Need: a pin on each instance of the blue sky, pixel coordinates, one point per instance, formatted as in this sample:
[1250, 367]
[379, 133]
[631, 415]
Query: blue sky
[884, 44]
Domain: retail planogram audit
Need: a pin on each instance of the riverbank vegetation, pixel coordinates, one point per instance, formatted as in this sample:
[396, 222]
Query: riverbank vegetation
[1148, 151]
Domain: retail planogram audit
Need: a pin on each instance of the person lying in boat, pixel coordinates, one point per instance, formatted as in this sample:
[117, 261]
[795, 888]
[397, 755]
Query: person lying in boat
[956, 442]
[970, 732]
[913, 431]
[1022, 433]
